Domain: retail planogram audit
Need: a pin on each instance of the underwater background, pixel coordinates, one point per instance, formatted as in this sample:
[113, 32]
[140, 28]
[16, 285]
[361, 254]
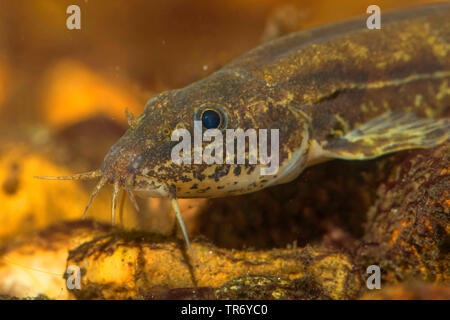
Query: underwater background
[63, 95]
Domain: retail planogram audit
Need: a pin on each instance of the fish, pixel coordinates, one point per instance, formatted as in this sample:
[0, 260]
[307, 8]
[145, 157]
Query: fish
[338, 91]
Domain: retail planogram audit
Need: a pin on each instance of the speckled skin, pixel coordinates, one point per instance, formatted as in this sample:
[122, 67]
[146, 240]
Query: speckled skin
[314, 86]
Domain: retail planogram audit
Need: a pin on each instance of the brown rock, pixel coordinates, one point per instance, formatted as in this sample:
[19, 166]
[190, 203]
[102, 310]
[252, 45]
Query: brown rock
[34, 265]
[407, 232]
[138, 265]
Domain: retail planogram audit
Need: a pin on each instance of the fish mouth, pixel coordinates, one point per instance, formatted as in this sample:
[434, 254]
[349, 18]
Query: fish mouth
[126, 183]
[120, 168]
[145, 186]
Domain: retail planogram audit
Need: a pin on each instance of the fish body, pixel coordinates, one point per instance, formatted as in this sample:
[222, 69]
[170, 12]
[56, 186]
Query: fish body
[336, 91]
[315, 87]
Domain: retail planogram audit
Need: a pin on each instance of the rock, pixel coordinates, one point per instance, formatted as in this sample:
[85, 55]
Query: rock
[142, 265]
[34, 265]
[407, 230]
[264, 287]
[410, 291]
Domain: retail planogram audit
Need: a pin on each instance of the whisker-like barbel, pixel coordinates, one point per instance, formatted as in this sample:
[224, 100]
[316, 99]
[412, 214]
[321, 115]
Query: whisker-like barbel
[129, 190]
[179, 217]
[94, 193]
[79, 176]
[114, 199]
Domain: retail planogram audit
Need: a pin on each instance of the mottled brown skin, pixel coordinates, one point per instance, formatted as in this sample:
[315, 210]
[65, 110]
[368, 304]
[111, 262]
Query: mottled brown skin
[314, 86]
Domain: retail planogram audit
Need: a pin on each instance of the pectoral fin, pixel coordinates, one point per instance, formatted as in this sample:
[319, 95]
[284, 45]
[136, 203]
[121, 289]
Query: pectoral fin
[390, 132]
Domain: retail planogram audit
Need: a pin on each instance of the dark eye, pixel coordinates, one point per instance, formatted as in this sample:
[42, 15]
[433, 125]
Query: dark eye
[212, 116]
[211, 119]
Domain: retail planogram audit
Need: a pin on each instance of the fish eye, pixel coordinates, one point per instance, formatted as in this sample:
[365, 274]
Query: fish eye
[212, 117]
